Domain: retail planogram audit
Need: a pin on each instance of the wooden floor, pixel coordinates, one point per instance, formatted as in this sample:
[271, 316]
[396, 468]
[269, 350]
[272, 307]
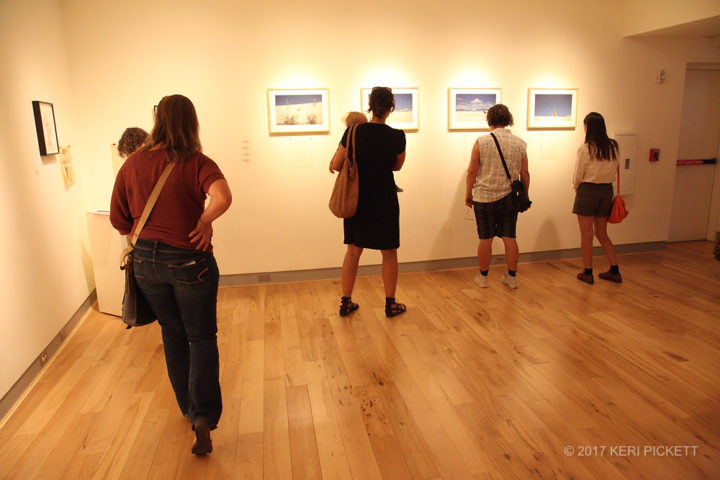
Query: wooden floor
[557, 379]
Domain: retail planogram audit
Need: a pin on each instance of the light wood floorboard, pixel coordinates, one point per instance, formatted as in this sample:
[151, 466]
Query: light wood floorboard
[470, 383]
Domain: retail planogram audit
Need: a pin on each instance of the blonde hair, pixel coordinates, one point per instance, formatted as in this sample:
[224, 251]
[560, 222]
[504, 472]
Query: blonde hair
[355, 118]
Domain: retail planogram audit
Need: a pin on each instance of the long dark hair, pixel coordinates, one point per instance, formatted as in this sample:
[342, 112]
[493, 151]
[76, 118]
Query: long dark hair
[600, 145]
[176, 129]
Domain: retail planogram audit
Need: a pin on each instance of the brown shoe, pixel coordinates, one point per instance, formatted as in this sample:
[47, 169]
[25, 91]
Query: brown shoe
[612, 277]
[586, 278]
[203, 442]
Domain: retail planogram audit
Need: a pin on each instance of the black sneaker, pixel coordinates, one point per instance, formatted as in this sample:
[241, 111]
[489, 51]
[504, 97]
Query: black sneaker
[583, 277]
[612, 277]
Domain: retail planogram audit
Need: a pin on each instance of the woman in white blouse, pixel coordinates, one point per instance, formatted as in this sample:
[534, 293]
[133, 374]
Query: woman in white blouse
[595, 170]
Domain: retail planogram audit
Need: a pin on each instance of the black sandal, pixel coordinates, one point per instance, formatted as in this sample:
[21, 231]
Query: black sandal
[347, 307]
[393, 308]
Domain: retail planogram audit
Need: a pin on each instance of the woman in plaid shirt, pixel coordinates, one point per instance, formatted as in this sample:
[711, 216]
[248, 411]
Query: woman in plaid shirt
[488, 191]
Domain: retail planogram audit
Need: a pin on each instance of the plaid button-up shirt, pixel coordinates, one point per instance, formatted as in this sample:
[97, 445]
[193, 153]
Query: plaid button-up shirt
[491, 183]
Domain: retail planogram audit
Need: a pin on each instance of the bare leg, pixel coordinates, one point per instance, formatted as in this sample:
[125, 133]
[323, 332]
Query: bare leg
[602, 236]
[484, 253]
[349, 269]
[512, 253]
[389, 271]
[586, 238]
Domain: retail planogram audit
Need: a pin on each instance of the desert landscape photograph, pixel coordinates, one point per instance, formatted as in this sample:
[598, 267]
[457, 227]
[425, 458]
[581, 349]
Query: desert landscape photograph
[403, 112]
[293, 111]
[554, 108]
[298, 109]
[473, 107]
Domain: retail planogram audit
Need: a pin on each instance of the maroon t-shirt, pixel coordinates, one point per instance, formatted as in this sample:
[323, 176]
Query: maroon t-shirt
[181, 201]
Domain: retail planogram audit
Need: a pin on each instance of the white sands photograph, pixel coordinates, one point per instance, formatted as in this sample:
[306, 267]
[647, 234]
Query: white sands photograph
[405, 115]
[467, 107]
[552, 108]
[294, 111]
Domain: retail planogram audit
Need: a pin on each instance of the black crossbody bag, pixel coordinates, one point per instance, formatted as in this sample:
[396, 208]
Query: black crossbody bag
[519, 194]
[136, 311]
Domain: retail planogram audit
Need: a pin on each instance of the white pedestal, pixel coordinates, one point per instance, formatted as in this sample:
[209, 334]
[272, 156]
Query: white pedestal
[106, 246]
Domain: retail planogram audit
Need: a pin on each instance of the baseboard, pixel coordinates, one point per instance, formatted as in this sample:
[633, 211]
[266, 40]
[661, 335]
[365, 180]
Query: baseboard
[26, 379]
[424, 266]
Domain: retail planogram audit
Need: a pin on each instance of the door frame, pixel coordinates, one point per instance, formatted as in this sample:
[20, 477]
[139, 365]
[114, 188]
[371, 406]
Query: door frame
[713, 224]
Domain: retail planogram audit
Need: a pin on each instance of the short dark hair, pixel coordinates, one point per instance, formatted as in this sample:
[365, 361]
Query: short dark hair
[499, 116]
[131, 139]
[381, 102]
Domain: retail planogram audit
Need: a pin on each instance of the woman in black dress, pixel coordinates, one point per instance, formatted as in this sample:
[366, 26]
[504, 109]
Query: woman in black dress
[380, 150]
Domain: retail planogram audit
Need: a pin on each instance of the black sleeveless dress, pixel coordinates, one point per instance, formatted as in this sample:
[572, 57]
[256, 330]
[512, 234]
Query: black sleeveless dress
[376, 225]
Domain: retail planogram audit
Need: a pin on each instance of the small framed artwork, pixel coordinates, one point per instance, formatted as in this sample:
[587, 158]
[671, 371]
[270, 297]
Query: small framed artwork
[298, 111]
[405, 116]
[467, 107]
[45, 127]
[66, 167]
[552, 108]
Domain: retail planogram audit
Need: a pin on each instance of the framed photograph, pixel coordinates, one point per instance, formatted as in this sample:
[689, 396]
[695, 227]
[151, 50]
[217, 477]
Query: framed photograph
[298, 111]
[405, 117]
[552, 108]
[45, 127]
[467, 107]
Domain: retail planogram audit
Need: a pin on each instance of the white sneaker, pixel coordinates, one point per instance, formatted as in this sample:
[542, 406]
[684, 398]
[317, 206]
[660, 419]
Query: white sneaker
[481, 280]
[509, 280]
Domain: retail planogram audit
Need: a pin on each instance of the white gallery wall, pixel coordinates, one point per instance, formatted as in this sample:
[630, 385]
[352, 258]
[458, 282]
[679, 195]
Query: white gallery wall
[225, 54]
[46, 272]
[105, 64]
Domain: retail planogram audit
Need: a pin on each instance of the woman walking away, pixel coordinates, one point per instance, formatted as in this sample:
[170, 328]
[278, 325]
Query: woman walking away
[173, 261]
[376, 225]
[595, 169]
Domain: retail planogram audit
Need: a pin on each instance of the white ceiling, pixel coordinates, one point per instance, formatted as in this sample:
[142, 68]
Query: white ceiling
[708, 27]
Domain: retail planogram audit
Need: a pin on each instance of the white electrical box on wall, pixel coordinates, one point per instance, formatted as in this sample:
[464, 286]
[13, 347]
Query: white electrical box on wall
[627, 159]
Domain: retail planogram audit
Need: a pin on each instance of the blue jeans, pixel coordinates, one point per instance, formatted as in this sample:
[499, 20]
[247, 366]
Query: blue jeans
[181, 287]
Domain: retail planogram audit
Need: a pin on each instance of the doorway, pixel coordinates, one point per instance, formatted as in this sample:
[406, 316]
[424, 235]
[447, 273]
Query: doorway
[697, 184]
